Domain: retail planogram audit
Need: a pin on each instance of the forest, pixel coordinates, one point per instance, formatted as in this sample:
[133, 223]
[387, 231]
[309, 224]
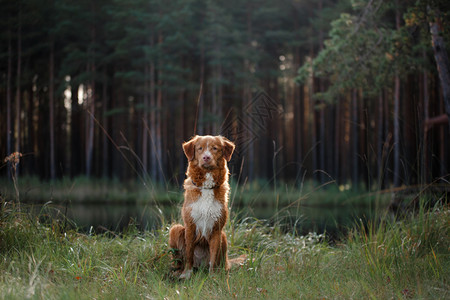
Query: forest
[339, 110]
[355, 91]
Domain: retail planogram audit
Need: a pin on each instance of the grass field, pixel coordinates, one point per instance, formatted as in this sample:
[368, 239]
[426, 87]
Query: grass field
[40, 258]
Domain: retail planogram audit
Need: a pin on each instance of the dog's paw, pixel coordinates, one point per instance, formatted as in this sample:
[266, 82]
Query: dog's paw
[186, 274]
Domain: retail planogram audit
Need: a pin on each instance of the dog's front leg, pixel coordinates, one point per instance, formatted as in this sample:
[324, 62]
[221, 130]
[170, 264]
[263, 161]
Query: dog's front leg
[215, 250]
[189, 244]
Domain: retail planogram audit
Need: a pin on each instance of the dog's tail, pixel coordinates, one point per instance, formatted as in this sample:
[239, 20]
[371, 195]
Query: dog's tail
[238, 261]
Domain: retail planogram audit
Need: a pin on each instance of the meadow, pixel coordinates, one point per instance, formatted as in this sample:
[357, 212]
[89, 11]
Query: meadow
[405, 257]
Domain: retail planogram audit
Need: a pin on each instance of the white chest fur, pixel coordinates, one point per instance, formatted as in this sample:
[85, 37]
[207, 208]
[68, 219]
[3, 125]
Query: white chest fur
[209, 182]
[206, 210]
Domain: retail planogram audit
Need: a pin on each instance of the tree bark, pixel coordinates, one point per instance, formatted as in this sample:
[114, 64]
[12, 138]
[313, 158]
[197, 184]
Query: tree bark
[105, 156]
[397, 131]
[380, 137]
[18, 88]
[158, 137]
[247, 98]
[322, 138]
[397, 116]
[198, 126]
[90, 105]
[313, 124]
[337, 140]
[51, 104]
[152, 125]
[441, 57]
[426, 115]
[8, 98]
[355, 140]
[145, 116]
[75, 133]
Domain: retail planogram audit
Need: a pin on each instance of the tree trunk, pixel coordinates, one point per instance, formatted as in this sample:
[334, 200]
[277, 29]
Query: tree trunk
[75, 133]
[298, 117]
[90, 105]
[215, 96]
[19, 75]
[426, 115]
[354, 152]
[219, 104]
[152, 124]
[181, 130]
[312, 118]
[247, 98]
[105, 156]
[51, 104]
[198, 125]
[158, 137]
[153, 156]
[443, 154]
[8, 98]
[322, 138]
[337, 140]
[322, 142]
[250, 149]
[441, 57]
[380, 142]
[397, 180]
[145, 117]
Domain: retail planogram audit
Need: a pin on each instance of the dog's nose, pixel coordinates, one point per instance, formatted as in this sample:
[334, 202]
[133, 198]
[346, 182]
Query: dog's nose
[206, 158]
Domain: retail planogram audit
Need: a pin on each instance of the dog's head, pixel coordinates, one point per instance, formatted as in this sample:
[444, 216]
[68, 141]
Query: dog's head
[208, 152]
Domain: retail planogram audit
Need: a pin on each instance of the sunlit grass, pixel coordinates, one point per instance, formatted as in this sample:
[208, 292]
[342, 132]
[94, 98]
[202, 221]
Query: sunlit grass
[399, 258]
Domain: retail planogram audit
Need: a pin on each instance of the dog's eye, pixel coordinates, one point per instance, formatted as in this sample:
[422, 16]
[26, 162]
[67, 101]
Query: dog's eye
[215, 148]
[200, 148]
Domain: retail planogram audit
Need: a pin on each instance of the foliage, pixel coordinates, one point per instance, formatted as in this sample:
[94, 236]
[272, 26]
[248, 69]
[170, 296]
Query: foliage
[131, 80]
[365, 49]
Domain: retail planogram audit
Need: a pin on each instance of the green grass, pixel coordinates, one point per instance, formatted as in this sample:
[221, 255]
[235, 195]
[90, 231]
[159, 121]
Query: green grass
[408, 258]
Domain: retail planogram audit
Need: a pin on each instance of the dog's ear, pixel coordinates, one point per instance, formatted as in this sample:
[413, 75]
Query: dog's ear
[228, 148]
[189, 148]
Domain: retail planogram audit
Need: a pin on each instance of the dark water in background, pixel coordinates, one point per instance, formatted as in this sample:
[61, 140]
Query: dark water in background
[334, 220]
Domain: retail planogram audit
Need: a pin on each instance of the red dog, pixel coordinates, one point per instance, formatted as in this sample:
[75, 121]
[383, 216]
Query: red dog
[202, 241]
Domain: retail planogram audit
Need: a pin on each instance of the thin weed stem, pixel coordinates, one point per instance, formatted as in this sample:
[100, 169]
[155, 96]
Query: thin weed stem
[13, 160]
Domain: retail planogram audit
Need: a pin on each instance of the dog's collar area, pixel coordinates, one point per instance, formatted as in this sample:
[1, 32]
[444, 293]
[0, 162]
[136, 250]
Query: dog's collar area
[208, 182]
[203, 187]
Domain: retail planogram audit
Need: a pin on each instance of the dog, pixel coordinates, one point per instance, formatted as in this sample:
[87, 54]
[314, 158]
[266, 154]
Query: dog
[202, 242]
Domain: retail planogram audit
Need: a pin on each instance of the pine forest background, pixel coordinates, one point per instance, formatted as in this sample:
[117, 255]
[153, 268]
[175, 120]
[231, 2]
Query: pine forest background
[345, 90]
